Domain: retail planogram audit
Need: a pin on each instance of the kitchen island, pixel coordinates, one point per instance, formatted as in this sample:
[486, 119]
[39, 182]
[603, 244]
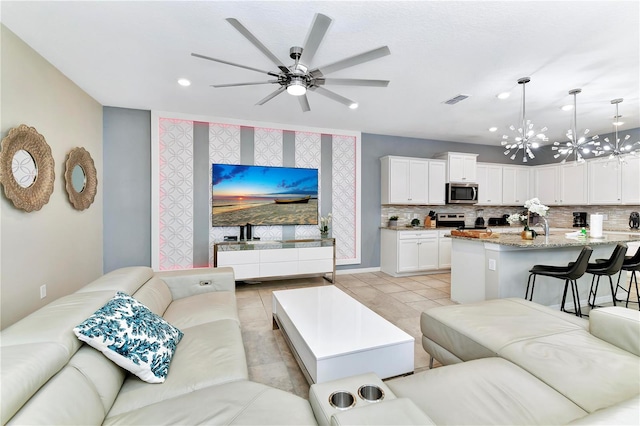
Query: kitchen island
[498, 267]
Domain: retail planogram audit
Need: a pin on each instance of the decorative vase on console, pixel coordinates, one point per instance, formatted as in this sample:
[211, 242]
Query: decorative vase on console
[533, 206]
[324, 226]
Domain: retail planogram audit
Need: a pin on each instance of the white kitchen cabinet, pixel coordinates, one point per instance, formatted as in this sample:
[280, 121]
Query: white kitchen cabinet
[545, 184]
[630, 180]
[461, 167]
[444, 250]
[515, 185]
[406, 180]
[604, 182]
[573, 184]
[412, 252]
[489, 179]
[437, 180]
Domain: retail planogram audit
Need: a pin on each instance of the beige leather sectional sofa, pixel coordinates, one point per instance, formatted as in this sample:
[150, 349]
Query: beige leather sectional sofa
[49, 377]
[512, 362]
[517, 362]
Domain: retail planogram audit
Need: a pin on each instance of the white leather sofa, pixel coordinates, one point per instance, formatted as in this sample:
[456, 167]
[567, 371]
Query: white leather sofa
[510, 361]
[49, 377]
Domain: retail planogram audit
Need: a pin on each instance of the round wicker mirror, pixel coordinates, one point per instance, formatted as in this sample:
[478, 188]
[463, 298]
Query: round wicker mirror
[80, 178]
[27, 169]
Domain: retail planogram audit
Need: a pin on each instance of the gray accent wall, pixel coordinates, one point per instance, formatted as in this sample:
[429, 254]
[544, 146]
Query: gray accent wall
[126, 188]
[201, 217]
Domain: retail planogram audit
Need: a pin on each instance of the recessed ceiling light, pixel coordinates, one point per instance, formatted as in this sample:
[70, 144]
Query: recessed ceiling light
[493, 129]
[566, 107]
[353, 105]
[184, 82]
[503, 95]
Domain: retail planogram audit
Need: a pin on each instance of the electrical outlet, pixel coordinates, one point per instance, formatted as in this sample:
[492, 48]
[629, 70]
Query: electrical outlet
[492, 264]
[43, 291]
[205, 282]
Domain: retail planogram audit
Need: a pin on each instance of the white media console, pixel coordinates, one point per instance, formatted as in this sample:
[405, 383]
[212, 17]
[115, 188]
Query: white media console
[271, 259]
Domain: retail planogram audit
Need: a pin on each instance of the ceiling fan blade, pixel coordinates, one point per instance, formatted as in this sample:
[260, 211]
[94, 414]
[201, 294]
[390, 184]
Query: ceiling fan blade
[257, 43]
[243, 84]
[271, 95]
[317, 32]
[304, 103]
[351, 61]
[332, 95]
[351, 82]
[233, 64]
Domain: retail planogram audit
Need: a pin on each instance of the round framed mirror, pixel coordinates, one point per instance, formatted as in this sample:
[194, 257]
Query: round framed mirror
[27, 169]
[81, 178]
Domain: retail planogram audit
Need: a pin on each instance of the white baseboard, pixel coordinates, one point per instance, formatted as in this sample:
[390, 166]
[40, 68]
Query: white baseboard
[356, 271]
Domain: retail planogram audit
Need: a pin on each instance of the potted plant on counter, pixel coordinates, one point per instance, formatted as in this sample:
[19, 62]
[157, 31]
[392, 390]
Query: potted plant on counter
[393, 221]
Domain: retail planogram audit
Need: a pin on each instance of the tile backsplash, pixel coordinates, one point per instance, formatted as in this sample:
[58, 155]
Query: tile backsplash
[559, 216]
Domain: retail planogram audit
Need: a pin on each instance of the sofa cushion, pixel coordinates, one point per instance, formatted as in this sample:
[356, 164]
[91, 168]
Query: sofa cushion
[202, 308]
[485, 391]
[127, 280]
[208, 354]
[591, 372]
[624, 413]
[237, 403]
[469, 331]
[618, 326]
[25, 368]
[132, 336]
[155, 295]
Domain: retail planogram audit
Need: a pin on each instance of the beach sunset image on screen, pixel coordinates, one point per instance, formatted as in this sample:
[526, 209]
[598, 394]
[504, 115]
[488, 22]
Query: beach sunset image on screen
[263, 195]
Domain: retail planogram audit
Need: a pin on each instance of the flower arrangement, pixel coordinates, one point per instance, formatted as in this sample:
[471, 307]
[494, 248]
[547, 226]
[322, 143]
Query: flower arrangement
[533, 206]
[324, 224]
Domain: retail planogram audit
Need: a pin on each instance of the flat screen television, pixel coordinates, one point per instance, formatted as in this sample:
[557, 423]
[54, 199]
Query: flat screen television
[263, 195]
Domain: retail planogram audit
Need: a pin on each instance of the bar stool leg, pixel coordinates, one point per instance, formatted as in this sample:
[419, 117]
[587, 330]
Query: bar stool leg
[592, 292]
[533, 284]
[576, 298]
[613, 295]
[564, 295]
[619, 286]
[633, 279]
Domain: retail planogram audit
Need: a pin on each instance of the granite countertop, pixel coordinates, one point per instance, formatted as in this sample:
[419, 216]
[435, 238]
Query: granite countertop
[501, 227]
[555, 239]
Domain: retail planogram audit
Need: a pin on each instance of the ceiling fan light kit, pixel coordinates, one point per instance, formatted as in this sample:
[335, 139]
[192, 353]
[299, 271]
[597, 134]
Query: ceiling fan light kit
[298, 79]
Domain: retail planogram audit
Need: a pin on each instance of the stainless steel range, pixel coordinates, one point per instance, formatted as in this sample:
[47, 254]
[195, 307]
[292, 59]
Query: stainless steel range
[453, 220]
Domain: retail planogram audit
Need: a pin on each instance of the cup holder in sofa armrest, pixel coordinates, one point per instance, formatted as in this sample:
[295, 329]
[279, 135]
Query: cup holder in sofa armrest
[342, 400]
[371, 393]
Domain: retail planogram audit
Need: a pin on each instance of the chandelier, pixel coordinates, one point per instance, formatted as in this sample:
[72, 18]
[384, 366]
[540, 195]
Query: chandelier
[526, 138]
[616, 148]
[576, 145]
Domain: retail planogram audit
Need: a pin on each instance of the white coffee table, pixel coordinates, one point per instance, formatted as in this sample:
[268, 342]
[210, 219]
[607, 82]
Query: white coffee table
[332, 335]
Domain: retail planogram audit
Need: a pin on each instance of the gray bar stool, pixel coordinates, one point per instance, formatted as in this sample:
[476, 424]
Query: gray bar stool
[569, 274]
[631, 264]
[607, 267]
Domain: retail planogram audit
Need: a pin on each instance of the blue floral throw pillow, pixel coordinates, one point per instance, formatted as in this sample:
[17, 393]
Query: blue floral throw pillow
[132, 336]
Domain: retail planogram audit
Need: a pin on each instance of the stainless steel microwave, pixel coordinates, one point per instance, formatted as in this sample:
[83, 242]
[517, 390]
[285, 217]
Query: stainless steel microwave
[462, 193]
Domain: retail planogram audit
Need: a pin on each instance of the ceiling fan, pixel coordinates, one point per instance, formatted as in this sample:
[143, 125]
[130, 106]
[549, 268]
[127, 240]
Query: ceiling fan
[296, 79]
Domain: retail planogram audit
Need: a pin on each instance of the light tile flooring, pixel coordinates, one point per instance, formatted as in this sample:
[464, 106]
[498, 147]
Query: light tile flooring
[399, 300]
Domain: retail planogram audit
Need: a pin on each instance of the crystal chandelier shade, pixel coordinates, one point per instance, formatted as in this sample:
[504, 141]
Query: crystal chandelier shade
[576, 145]
[526, 137]
[616, 148]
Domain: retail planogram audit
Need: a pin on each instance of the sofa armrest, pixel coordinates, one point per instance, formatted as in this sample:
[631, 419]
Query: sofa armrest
[189, 282]
[618, 326]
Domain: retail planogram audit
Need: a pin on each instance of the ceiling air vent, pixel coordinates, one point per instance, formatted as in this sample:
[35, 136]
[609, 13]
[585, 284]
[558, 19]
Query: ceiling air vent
[456, 99]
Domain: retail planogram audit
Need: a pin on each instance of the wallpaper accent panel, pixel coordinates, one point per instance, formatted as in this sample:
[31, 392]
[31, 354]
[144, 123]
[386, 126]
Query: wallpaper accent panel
[268, 151]
[344, 171]
[176, 194]
[307, 155]
[224, 148]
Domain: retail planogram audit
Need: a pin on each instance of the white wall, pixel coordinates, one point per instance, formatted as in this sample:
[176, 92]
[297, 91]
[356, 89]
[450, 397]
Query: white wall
[57, 246]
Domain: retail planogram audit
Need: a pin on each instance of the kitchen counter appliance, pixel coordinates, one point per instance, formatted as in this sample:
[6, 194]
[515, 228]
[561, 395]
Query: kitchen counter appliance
[634, 220]
[580, 219]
